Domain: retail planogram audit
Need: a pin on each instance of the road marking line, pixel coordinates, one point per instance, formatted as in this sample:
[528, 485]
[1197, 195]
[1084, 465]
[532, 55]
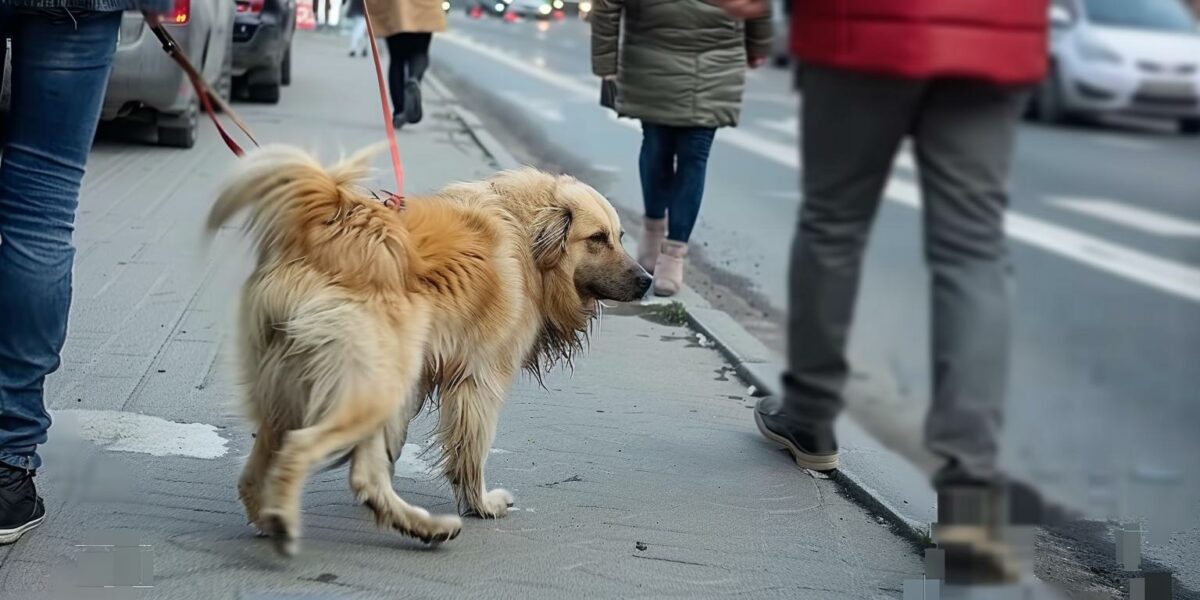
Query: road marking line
[1133, 265]
[1129, 216]
[789, 127]
[1165, 275]
[780, 99]
[540, 108]
[1123, 143]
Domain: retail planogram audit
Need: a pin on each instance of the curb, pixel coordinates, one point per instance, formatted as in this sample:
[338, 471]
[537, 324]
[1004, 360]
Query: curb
[870, 473]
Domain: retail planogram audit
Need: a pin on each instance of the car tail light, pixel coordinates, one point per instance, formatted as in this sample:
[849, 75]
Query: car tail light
[180, 13]
[252, 7]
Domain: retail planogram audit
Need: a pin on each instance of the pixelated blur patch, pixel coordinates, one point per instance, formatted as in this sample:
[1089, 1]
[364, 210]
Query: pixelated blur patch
[114, 559]
[922, 589]
[1151, 586]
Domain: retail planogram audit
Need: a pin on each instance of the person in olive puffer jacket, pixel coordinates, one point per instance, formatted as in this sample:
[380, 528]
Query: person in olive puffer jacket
[680, 68]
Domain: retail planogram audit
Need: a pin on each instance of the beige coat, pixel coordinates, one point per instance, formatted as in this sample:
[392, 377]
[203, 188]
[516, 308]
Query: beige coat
[406, 16]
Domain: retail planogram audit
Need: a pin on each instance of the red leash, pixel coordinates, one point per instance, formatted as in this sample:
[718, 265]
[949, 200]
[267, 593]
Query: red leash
[207, 97]
[396, 200]
[171, 47]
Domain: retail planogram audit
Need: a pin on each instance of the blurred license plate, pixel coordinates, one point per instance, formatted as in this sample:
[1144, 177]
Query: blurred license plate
[1168, 89]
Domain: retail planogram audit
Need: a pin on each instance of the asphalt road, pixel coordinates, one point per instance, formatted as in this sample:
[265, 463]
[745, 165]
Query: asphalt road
[1106, 244]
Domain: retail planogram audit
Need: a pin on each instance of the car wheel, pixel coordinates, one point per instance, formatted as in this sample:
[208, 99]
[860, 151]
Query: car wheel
[225, 85]
[285, 69]
[1048, 101]
[177, 137]
[1189, 126]
[179, 131]
[267, 93]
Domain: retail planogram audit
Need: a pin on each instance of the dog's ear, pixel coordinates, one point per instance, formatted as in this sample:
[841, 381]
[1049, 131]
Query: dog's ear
[551, 227]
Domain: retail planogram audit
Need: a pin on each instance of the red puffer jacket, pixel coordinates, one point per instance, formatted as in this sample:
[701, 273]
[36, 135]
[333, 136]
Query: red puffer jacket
[1003, 41]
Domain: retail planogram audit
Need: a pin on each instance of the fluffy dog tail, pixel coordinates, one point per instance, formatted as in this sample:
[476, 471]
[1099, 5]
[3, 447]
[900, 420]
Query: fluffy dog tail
[297, 205]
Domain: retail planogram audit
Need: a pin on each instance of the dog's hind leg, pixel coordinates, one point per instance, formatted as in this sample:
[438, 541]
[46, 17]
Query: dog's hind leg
[266, 442]
[369, 380]
[468, 423]
[370, 479]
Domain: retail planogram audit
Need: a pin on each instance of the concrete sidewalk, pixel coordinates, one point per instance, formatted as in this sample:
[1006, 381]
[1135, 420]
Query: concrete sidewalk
[641, 474]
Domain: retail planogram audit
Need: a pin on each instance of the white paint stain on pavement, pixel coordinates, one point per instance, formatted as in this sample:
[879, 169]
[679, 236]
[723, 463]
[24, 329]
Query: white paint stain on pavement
[412, 464]
[145, 434]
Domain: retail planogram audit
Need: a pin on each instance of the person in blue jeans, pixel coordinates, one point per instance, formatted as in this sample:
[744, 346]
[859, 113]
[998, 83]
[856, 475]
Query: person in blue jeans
[60, 63]
[680, 67]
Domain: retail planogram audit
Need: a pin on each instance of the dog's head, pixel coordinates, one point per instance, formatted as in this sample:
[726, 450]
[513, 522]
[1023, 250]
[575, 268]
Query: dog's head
[575, 235]
[574, 242]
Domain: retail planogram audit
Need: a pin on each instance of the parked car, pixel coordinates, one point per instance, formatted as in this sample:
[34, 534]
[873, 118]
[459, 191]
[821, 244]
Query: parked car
[533, 9]
[147, 86]
[1122, 56]
[262, 47]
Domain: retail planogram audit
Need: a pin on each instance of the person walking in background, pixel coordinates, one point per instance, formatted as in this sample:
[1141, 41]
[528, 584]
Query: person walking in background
[408, 26]
[329, 13]
[358, 28]
[953, 76]
[680, 67]
[60, 64]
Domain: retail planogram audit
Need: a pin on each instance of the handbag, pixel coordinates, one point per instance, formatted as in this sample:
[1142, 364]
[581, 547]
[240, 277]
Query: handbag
[608, 93]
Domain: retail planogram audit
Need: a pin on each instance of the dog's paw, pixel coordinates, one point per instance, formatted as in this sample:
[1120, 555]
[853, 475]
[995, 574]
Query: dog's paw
[249, 496]
[440, 528]
[282, 531]
[494, 504]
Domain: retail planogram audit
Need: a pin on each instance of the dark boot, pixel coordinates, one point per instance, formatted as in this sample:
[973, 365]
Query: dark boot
[412, 101]
[812, 444]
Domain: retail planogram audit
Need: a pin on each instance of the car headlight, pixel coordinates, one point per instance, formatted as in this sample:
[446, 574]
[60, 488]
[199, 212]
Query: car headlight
[445, 6]
[500, 6]
[544, 9]
[1093, 50]
[558, 4]
[585, 6]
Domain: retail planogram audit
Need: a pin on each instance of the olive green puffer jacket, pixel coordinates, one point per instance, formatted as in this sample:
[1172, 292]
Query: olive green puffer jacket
[678, 62]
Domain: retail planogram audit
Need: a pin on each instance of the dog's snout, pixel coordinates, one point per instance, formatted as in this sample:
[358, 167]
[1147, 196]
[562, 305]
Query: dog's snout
[643, 281]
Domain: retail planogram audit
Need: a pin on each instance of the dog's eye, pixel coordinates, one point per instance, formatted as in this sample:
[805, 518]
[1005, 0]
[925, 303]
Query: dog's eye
[599, 236]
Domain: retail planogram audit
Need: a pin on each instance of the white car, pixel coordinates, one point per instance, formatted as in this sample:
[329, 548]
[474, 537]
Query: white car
[1139, 57]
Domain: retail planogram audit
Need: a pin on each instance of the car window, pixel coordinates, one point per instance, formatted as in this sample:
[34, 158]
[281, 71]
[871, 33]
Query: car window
[1161, 15]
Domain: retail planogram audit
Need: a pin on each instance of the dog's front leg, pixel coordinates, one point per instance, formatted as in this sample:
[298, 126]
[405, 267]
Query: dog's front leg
[467, 425]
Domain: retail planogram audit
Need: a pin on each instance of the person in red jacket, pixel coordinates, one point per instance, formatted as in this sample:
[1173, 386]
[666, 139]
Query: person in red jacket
[951, 76]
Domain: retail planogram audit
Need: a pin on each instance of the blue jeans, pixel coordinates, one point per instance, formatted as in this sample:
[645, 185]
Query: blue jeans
[673, 164]
[60, 65]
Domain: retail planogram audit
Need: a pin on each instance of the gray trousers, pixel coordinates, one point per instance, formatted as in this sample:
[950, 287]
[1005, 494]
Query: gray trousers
[963, 132]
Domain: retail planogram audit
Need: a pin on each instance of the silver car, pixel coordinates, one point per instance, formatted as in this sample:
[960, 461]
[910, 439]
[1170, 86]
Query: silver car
[146, 86]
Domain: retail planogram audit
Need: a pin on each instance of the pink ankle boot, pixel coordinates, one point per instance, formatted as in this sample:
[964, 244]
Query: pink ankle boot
[653, 232]
[668, 272]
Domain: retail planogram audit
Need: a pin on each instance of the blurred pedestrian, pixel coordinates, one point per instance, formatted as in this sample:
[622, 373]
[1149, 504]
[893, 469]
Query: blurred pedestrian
[953, 77]
[329, 13]
[61, 54]
[408, 26]
[680, 68]
[358, 28]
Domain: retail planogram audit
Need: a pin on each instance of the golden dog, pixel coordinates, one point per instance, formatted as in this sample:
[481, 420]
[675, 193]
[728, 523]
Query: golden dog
[356, 314]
